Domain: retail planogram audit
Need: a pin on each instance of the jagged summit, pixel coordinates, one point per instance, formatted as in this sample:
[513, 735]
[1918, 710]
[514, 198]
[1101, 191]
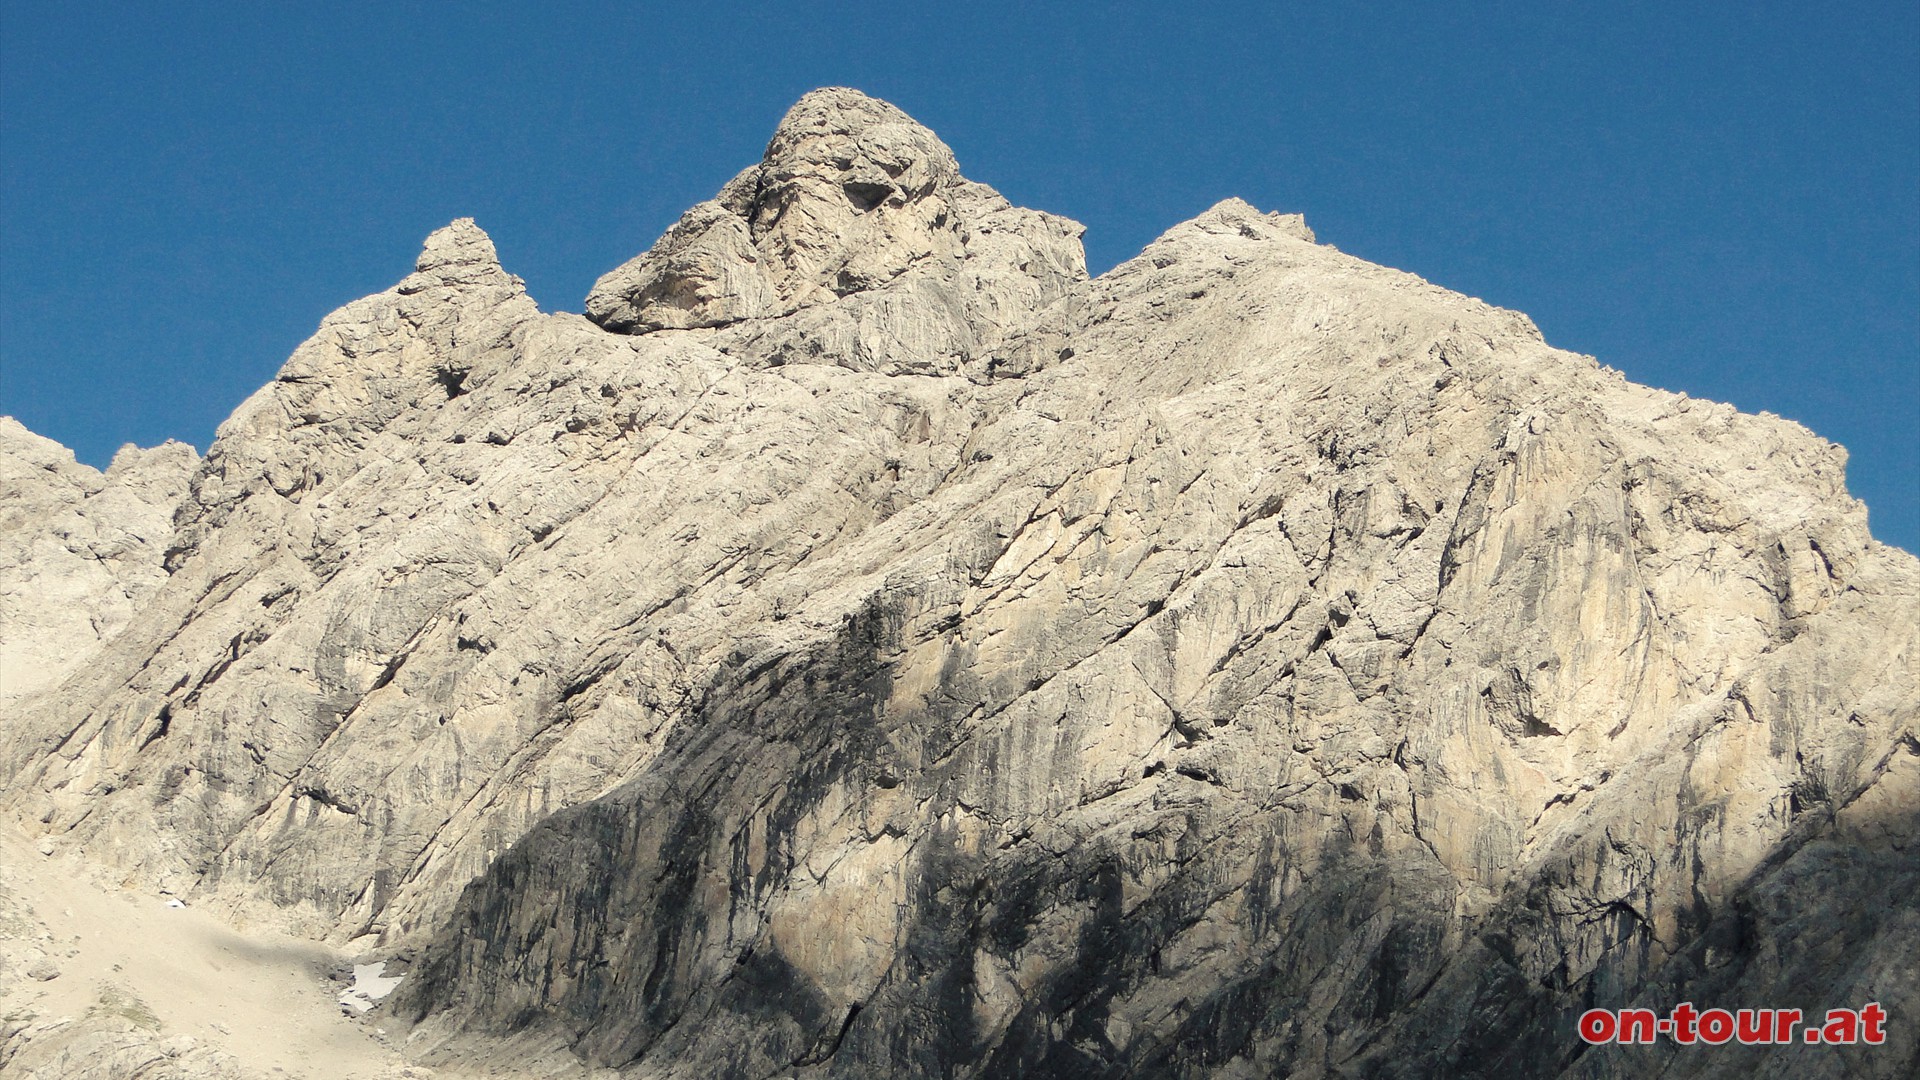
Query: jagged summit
[867, 148]
[458, 244]
[457, 254]
[1237, 215]
[859, 217]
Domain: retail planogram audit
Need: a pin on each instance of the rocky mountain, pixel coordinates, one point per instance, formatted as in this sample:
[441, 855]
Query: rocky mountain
[863, 645]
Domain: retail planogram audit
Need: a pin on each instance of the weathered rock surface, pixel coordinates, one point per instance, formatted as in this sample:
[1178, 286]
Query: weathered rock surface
[865, 646]
[858, 237]
[79, 549]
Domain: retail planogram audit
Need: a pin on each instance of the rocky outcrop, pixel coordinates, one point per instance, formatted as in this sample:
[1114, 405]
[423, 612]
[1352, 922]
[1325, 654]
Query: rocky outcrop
[864, 646]
[859, 236]
[79, 550]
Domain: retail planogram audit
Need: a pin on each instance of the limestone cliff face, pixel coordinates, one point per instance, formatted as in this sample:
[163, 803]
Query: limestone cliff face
[79, 549]
[865, 646]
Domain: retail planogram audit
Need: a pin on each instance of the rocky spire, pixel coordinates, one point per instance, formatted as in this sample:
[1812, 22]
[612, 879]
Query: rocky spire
[851, 192]
[460, 253]
[852, 197]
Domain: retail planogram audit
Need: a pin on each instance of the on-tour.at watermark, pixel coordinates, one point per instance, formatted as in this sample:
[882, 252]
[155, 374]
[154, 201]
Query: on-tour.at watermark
[1686, 1025]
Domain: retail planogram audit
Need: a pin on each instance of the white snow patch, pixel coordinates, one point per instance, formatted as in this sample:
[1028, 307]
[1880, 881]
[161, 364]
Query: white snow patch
[369, 986]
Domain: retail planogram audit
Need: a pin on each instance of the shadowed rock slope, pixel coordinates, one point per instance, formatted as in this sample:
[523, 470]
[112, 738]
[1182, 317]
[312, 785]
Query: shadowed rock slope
[865, 646]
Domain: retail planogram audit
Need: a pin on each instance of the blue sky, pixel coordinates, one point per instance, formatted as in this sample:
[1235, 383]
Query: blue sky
[1716, 198]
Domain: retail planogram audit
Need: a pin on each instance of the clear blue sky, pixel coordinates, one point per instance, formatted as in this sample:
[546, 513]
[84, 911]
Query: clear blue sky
[1716, 198]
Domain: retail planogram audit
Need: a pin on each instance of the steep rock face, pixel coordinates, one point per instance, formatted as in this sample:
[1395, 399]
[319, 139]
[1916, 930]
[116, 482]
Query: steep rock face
[79, 549]
[888, 652]
[361, 682]
[1335, 680]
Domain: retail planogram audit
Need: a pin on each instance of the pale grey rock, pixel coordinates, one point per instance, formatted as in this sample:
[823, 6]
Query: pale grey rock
[79, 549]
[891, 653]
[108, 1044]
[859, 232]
[704, 272]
